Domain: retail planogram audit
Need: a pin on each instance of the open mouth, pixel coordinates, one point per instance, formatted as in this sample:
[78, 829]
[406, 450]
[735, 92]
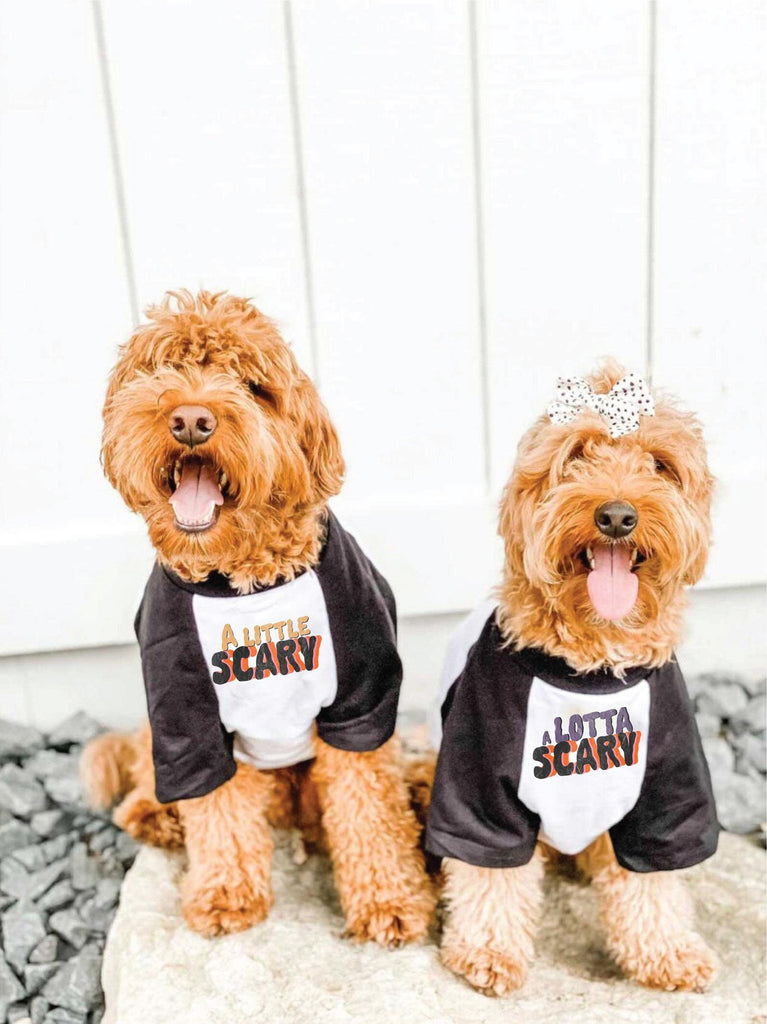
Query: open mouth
[197, 492]
[612, 581]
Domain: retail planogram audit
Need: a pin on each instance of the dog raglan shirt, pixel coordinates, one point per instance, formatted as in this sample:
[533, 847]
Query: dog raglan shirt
[531, 750]
[251, 677]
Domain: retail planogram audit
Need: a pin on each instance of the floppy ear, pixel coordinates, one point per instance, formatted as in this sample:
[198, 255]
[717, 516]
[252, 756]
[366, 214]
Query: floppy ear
[701, 500]
[318, 440]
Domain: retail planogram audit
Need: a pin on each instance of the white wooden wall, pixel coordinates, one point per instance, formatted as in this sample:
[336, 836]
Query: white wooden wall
[445, 205]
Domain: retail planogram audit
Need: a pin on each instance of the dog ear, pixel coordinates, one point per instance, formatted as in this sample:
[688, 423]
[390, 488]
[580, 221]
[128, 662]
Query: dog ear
[318, 440]
[702, 503]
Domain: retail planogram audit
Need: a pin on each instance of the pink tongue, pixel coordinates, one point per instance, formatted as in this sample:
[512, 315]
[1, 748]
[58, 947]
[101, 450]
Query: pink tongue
[611, 583]
[196, 493]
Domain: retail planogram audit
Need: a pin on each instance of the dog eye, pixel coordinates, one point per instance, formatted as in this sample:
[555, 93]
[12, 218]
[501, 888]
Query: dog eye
[667, 469]
[255, 389]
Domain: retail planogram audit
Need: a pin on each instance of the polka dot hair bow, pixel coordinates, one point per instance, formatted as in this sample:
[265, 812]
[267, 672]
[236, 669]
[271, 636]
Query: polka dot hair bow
[622, 406]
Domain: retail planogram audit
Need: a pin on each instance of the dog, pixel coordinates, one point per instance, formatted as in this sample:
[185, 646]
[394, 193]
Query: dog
[566, 727]
[267, 637]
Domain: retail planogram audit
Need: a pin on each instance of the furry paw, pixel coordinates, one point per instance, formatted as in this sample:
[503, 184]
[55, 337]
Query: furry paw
[150, 822]
[223, 909]
[489, 971]
[687, 965]
[393, 923]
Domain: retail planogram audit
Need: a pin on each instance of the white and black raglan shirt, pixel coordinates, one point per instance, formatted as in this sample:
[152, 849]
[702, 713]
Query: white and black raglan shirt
[255, 677]
[531, 750]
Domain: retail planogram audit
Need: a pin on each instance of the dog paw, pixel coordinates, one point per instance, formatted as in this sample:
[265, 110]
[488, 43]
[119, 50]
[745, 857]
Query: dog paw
[223, 909]
[487, 970]
[150, 822]
[687, 966]
[393, 923]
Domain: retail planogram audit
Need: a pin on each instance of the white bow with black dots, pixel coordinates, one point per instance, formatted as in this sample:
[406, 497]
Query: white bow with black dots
[622, 406]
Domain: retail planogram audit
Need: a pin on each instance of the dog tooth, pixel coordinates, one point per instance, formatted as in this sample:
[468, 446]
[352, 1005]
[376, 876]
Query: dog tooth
[590, 558]
[223, 479]
[634, 554]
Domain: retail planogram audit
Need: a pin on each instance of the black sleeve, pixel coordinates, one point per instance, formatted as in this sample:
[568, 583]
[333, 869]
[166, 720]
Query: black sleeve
[192, 752]
[475, 814]
[363, 624]
[673, 823]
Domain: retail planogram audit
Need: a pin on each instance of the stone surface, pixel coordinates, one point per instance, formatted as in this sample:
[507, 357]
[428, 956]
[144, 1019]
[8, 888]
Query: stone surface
[38, 1007]
[59, 895]
[78, 729]
[23, 928]
[16, 881]
[58, 846]
[20, 792]
[18, 740]
[11, 988]
[17, 1014]
[70, 926]
[740, 802]
[31, 857]
[46, 951]
[76, 985]
[14, 835]
[48, 841]
[83, 868]
[52, 762]
[64, 790]
[48, 824]
[36, 975]
[296, 967]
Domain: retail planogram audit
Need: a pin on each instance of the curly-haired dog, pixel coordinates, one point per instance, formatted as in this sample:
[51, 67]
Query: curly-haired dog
[566, 728]
[267, 638]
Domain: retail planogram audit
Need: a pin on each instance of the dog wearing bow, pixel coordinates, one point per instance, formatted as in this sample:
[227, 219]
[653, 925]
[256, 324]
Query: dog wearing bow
[566, 728]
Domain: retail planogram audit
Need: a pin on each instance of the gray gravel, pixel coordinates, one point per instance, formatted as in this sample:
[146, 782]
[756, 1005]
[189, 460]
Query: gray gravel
[61, 866]
[731, 718]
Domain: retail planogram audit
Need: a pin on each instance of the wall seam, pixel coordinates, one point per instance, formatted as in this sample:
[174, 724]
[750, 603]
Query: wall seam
[650, 206]
[114, 149]
[479, 222]
[300, 171]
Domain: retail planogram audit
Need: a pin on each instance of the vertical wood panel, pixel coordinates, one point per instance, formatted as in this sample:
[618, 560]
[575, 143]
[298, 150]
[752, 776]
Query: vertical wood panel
[63, 299]
[202, 104]
[564, 140]
[710, 325]
[386, 116]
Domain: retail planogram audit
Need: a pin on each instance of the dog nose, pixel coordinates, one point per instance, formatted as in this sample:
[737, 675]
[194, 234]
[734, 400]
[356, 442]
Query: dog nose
[192, 424]
[616, 519]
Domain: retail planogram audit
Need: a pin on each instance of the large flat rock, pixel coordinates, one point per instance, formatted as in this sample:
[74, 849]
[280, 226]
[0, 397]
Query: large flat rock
[298, 969]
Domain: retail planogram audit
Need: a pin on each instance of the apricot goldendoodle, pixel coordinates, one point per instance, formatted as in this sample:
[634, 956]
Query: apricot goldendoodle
[267, 637]
[566, 727]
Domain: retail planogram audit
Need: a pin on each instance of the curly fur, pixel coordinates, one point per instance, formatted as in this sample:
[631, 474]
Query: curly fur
[277, 446]
[562, 474]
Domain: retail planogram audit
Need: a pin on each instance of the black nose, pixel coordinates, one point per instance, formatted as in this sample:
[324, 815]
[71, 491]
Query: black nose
[616, 519]
[192, 424]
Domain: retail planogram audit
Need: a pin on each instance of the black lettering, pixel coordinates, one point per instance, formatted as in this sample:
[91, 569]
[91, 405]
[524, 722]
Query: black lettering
[561, 752]
[309, 650]
[606, 752]
[628, 744]
[286, 661]
[221, 661]
[584, 759]
[543, 769]
[265, 662]
[240, 655]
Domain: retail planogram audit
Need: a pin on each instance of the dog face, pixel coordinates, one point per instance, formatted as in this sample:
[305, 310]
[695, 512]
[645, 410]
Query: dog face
[602, 534]
[212, 432]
